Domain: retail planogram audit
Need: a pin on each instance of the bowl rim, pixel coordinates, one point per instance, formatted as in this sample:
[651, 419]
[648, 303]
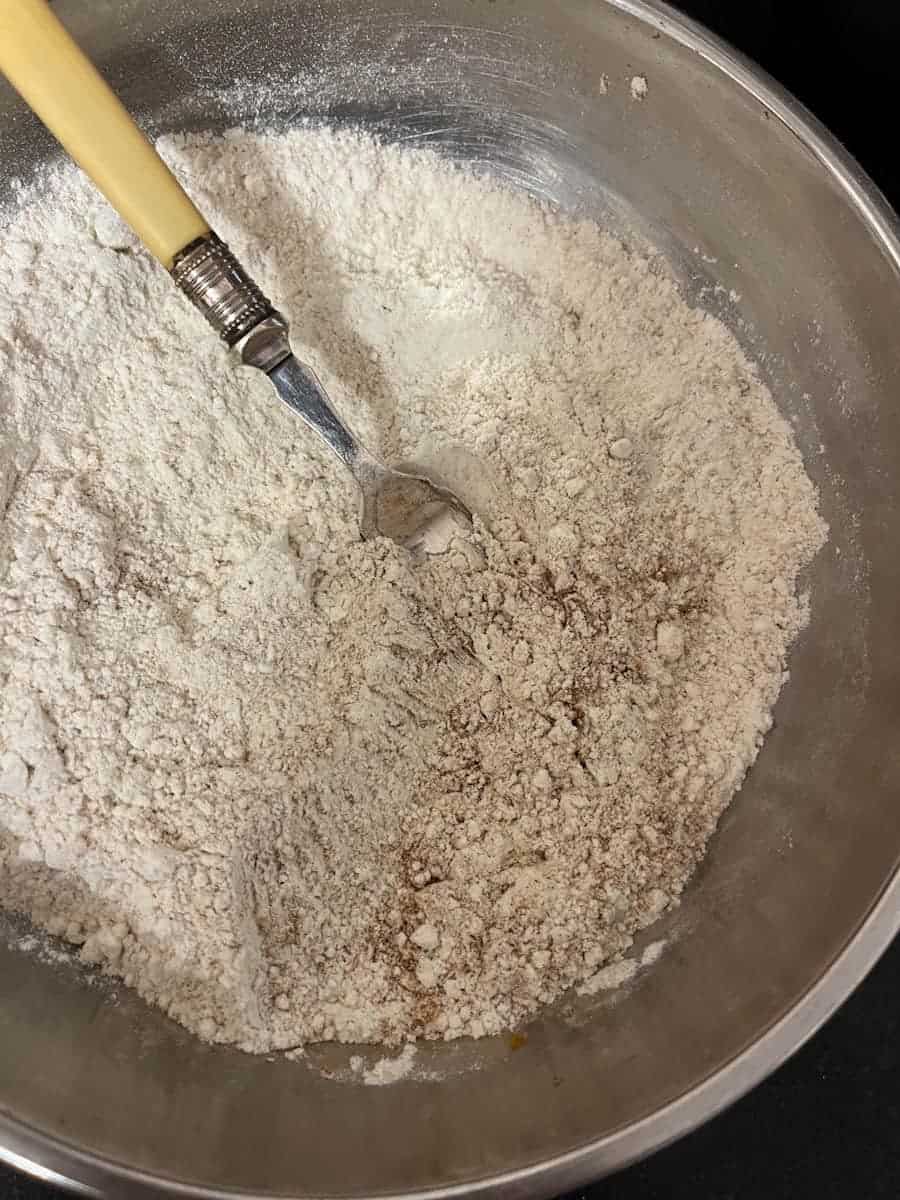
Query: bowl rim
[56, 1162]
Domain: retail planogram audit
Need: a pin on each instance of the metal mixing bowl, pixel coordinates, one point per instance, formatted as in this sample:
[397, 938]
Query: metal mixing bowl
[800, 891]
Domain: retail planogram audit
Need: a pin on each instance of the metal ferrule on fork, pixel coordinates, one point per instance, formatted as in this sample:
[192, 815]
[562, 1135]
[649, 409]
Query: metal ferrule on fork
[216, 283]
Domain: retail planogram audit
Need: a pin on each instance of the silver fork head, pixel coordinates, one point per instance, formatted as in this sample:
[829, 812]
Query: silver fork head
[411, 510]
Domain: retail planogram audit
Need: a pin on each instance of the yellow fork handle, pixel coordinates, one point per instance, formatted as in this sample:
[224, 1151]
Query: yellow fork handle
[62, 86]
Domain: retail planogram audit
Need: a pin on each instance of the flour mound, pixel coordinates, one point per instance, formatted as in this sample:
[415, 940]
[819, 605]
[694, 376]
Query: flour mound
[285, 784]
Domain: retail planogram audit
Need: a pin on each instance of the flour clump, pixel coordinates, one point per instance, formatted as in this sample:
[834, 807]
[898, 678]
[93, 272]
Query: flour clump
[288, 785]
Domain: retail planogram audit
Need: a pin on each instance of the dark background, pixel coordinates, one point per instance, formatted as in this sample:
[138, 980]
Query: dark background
[828, 1123]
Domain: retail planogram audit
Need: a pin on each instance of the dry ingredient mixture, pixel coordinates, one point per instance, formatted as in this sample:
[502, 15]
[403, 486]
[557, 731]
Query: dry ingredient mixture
[285, 784]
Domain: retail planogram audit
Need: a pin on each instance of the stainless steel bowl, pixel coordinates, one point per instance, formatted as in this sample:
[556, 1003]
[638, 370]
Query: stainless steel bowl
[800, 892]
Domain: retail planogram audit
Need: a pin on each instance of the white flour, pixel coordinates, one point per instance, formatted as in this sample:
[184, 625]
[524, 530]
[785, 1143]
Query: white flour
[283, 784]
[639, 88]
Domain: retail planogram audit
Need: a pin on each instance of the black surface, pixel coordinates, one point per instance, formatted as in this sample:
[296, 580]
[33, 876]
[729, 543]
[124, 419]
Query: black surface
[828, 1123]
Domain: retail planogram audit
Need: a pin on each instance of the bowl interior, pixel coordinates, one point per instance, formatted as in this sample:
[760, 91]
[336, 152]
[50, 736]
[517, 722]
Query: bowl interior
[760, 230]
